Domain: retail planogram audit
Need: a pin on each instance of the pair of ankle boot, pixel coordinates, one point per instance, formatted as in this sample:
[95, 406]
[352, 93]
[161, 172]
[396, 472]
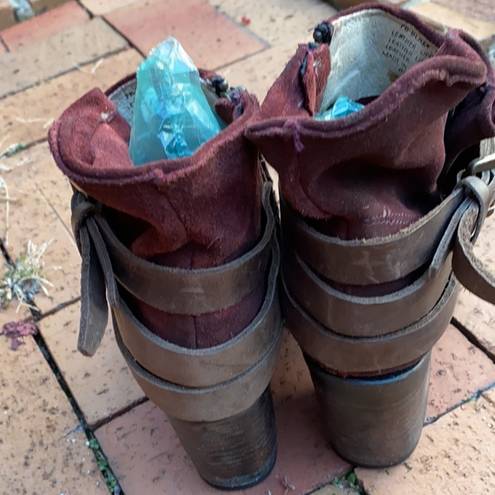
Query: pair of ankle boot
[379, 213]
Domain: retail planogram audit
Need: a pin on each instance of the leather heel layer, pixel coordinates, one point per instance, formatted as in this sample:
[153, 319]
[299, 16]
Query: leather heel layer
[235, 452]
[373, 422]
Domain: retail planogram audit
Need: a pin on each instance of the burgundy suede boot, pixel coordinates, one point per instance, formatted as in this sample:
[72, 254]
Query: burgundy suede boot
[379, 207]
[185, 253]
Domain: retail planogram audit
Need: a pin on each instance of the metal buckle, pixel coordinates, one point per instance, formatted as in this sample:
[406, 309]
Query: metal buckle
[482, 164]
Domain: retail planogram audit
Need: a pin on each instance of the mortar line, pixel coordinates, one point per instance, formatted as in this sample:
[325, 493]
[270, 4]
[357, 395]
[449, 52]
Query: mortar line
[52, 363]
[473, 339]
[265, 43]
[120, 33]
[26, 146]
[38, 338]
[83, 7]
[5, 253]
[2, 43]
[42, 315]
[241, 59]
[473, 397]
[55, 211]
[66, 71]
[117, 414]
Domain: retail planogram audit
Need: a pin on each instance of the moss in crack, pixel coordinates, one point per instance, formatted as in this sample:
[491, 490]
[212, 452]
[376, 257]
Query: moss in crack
[349, 483]
[103, 466]
[12, 150]
[101, 460]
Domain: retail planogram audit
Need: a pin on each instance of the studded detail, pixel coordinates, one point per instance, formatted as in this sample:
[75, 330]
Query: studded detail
[323, 33]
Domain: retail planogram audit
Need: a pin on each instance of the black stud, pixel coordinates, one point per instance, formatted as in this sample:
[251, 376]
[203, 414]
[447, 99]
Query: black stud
[220, 85]
[234, 94]
[323, 33]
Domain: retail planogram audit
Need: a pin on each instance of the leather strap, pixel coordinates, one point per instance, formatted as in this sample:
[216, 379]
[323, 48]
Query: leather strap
[212, 403]
[356, 316]
[97, 282]
[470, 270]
[369, 261]
[369, 355]
[204, 367]
[173, 290]
[453, 225]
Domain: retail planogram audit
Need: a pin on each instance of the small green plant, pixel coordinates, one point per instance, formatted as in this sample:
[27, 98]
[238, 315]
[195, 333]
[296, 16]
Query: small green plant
[23, 278]
[103, 466]
[350, 483]
[12, 150]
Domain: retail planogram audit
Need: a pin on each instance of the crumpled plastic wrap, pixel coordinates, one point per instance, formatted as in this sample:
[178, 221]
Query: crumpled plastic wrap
[342, 107]
[172, 116]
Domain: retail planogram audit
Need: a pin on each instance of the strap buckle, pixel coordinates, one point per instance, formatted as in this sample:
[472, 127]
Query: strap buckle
[478, 181]
[478, 189]
[481, 164]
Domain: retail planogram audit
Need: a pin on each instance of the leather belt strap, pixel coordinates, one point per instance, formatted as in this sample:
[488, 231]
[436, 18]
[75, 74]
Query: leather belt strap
[355, 316]
[208, 403]
[206, 384]
[452, 226]
[369, 355]
[174, 290]
[369, 261]
[204, 367]
[469, 270]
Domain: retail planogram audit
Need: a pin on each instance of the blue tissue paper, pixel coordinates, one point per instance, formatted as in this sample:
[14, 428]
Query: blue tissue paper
[172, 117]
[342, 107]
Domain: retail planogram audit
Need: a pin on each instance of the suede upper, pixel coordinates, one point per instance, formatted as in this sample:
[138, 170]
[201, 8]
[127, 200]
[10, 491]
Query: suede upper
[194, 212]
[376, 171]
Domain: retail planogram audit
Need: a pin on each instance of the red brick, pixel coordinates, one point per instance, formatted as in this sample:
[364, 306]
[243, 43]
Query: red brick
[458, 370]
[26, 116]
[45, 25]
[210, 38]
[57, 54]
[146, 455]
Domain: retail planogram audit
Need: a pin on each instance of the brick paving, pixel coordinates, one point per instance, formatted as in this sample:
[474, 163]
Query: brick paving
[148, 458]
[47, 62]
[458, 370]
[103, 386]
[62, 52]
[42, 447]
[455, 455]
[26, 115]
[212, 39]
[44, 25]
